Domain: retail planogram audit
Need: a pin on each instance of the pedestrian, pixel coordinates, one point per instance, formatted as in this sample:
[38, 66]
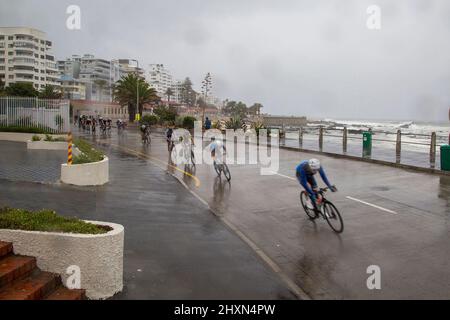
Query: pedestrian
[207, 124]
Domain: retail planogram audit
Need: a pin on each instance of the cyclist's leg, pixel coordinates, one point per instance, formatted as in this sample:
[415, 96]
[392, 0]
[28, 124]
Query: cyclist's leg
[313, 185]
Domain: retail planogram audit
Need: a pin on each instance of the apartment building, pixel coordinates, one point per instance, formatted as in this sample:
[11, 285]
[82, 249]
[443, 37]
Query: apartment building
[127, 66]
[74, 89]
[159, 78]
[97, 74]
[177, 88]
[25, 56]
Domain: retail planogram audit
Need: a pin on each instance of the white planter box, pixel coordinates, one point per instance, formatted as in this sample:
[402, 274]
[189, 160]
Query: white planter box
[86, 174]
[24, 137]
[47, 145]
[99, 257]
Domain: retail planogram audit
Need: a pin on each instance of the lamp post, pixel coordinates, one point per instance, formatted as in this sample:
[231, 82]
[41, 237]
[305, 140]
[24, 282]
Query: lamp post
[137, 86]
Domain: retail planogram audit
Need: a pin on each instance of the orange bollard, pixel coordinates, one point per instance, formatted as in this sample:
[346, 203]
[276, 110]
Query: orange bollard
[69, 151]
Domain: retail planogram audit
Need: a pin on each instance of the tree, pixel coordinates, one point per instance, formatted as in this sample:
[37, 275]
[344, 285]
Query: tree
[206, 88]
[255, 109]
[21, 89]
[166, 114]
[169, 93]
[187, 93]
[2, 88]
[125, 93]
[50, 92]
[235, 109]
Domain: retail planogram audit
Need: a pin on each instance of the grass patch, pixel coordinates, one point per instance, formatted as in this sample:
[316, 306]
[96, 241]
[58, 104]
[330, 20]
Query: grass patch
[89, 154]
[24, 129]
[47, 221]
[49, 138]
[36, 138]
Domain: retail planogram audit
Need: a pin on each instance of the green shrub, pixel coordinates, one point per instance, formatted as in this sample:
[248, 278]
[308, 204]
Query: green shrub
[88, 155]
[234, 123]
[188, 122]
[166, 115]
[25, 129]
[47, 221]
[149, 119]
[36, 138]
[48, 138]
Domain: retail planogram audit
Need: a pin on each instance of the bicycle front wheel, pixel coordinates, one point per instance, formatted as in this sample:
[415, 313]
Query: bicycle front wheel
[333, 217]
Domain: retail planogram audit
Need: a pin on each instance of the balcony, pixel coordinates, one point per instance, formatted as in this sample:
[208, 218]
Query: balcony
[24, 61]
[26, 45]
[25, 53]
[51, 65]
[24, 68]
[24, 76]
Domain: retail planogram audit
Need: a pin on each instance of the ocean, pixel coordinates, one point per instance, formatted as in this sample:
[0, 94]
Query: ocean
[416, 137]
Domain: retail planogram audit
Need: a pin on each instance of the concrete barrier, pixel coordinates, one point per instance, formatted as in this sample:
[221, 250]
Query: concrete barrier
[47, 145]
[86, 174]
[99, 257]
[24, 137]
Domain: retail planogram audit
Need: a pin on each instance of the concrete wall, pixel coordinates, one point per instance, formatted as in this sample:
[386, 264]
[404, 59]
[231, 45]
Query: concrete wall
[86, 174]
[287, 121]
[99, 257]
[47, 145]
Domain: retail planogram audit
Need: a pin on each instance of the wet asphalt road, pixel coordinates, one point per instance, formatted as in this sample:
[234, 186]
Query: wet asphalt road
[174, 247]
[402, 225]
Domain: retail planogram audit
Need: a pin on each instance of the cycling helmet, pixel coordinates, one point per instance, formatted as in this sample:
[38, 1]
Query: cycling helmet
[314, 164]
[213, 138]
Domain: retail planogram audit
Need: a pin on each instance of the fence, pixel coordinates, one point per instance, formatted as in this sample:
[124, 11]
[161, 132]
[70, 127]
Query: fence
[49, 115]
[415, 149]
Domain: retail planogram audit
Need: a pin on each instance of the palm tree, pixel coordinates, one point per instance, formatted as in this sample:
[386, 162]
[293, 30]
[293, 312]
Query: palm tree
[125, 93]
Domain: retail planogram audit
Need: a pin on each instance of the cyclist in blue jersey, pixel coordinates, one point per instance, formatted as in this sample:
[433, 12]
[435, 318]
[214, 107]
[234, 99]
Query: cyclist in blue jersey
[305, 172]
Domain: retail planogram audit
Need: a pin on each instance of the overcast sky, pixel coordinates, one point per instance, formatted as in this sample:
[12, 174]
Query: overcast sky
[312, 57]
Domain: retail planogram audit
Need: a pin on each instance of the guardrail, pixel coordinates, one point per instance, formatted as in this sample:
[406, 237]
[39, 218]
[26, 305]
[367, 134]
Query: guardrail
[432, 141]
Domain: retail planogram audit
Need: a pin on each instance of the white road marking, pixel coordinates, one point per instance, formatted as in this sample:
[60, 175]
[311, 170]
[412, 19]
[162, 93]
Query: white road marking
[348, 197]
[372, 205]
[282, 175]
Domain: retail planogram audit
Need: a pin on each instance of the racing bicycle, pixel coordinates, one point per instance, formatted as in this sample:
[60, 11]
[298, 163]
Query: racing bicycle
[326, 209]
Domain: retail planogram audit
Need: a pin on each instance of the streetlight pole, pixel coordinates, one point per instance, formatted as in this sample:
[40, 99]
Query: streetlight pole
[137, 86]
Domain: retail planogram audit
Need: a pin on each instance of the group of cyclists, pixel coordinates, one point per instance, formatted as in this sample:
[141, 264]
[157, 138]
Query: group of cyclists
[305, 171]
[90, 124]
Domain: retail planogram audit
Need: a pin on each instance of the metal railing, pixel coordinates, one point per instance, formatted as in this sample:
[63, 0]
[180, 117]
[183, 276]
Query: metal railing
[432, 141]
[50, 115]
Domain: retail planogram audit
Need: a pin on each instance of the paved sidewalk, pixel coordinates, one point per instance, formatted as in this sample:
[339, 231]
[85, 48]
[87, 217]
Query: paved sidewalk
[17, 163]
[174, 247]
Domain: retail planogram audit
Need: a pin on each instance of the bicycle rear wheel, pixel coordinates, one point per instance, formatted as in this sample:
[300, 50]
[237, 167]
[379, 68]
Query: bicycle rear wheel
[226, 172]
[216, 167]
[304, 198]
[333, 217]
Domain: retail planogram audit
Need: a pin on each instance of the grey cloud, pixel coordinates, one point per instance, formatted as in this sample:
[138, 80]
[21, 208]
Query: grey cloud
[312, 57]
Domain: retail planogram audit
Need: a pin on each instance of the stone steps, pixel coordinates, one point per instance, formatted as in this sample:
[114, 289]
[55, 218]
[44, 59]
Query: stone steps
[20, 279]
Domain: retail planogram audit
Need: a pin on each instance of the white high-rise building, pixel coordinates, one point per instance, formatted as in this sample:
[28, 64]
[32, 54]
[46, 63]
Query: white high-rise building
[159, 78]
[127, 66]
[177, 88]
[25, 56]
